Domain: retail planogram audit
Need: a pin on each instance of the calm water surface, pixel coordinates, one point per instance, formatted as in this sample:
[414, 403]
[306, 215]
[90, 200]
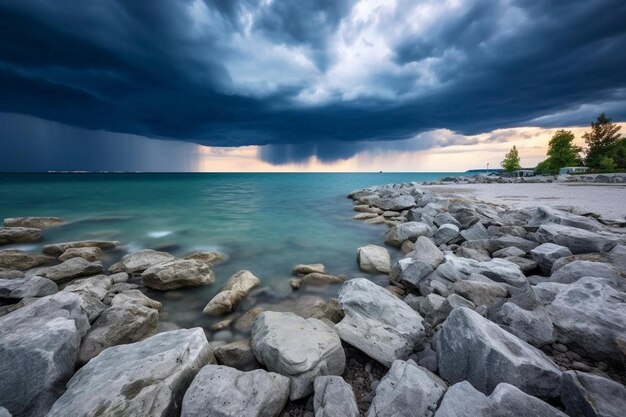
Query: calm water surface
[266, 223]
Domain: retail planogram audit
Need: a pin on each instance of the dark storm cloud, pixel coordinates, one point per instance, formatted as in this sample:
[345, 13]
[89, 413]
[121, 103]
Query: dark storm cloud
[229, 73]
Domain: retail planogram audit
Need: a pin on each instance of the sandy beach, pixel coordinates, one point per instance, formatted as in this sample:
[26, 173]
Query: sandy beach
[607, 200]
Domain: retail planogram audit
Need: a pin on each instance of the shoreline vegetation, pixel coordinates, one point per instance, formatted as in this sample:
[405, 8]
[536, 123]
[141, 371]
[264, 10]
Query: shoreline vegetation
[491, 310]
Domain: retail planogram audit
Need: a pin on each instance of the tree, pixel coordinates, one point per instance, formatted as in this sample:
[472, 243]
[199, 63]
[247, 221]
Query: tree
[511, 160]
[600, 140]
[561, 152]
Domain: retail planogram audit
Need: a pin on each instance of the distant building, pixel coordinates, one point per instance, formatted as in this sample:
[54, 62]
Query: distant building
[524, 173]
[573, 170]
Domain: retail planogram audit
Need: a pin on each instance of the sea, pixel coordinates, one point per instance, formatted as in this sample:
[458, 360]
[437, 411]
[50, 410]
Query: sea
[264, 222]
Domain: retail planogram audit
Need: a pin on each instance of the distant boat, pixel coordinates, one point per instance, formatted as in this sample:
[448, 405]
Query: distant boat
[380, 172]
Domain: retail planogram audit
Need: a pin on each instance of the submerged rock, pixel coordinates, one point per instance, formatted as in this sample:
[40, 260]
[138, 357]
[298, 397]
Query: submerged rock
[38, 348]
[149, 381]
[374, 258]
[211, 257]
[33, 222]
[407, 390]
[20, 260]
[333, 398]
[472, 348]
[177, 274]
[56, 249]
[301, 349]
[19, 235]
[226, 392]
[378, 323]
[304, 269]
[235, 290]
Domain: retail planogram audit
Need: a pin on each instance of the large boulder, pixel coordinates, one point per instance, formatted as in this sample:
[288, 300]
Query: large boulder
[301, 349]
[406, 231]
[532, 326]
[574, 271]
[226, 392]
[590, 316]
[19, 235]
[33, 222]
[20, 260]
[236, 355]
[72, 268]
[397, 203]
[177, 274]
[425, 250]
[463, 400]
[334, 397]
[475, 232]
[577, 240]
[588, 395]
[235, 290]
[377, 322]
[547, 253]
[481, 293]
[208, 257]
[90, 254]
[543, 215]
[38, 348]
[472, 348]
[445, 233]
[146, 378]
[407, 390]
[456, 269]
[57, 249]
[374, 258]
[27, 287]
[121, 323]
[409, 273]
[141, 260]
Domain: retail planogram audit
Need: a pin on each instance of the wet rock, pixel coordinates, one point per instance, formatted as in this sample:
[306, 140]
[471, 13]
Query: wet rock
[507, 252]
[177, 274]
[407, 390]
[406, 231]
[72, 268]
[20, 260]
[57, 249]
[88, 254]
[301, 349]
[364, 216]
[334, 397]
[227, 392]
[364, 208]
[409, 273]
[315, 278]
[27, 287]
[547, 253]
[472, 348]
[38, 348]
[592, 396]
[33, 222]
[244, 323]
[149, 381]
[236, 355]
[590, 317]
[397, 203]
[211, 257]
[378, 323]
[445, 233]
[481, 293]
[425, 250]
[19, 235]
[534, 327]
[141, 260]
[122, 323]
[577, 240]
[235, 290]
[305, 269]
[374, 258]
[296, 283]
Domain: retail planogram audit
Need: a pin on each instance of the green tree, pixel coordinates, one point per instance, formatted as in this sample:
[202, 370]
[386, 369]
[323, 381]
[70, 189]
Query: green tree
[511, 160]
[562, 152]
[600, 140]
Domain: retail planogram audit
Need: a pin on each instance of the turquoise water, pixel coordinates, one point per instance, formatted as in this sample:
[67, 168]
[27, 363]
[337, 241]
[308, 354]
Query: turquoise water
[266, 223]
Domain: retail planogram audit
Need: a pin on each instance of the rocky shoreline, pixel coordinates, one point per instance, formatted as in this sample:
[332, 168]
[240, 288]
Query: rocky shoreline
[491, 311]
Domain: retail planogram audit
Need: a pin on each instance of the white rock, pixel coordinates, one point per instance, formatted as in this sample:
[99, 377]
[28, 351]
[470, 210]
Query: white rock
[374, 258]
[334, 397]
[177, 274]
[141, 260]
[406, 231]
[235, 290]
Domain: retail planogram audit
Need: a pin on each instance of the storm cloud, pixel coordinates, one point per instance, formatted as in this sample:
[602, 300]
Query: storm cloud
[318, 75]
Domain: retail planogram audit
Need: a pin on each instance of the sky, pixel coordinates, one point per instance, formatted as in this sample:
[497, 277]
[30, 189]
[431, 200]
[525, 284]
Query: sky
[317, 85]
